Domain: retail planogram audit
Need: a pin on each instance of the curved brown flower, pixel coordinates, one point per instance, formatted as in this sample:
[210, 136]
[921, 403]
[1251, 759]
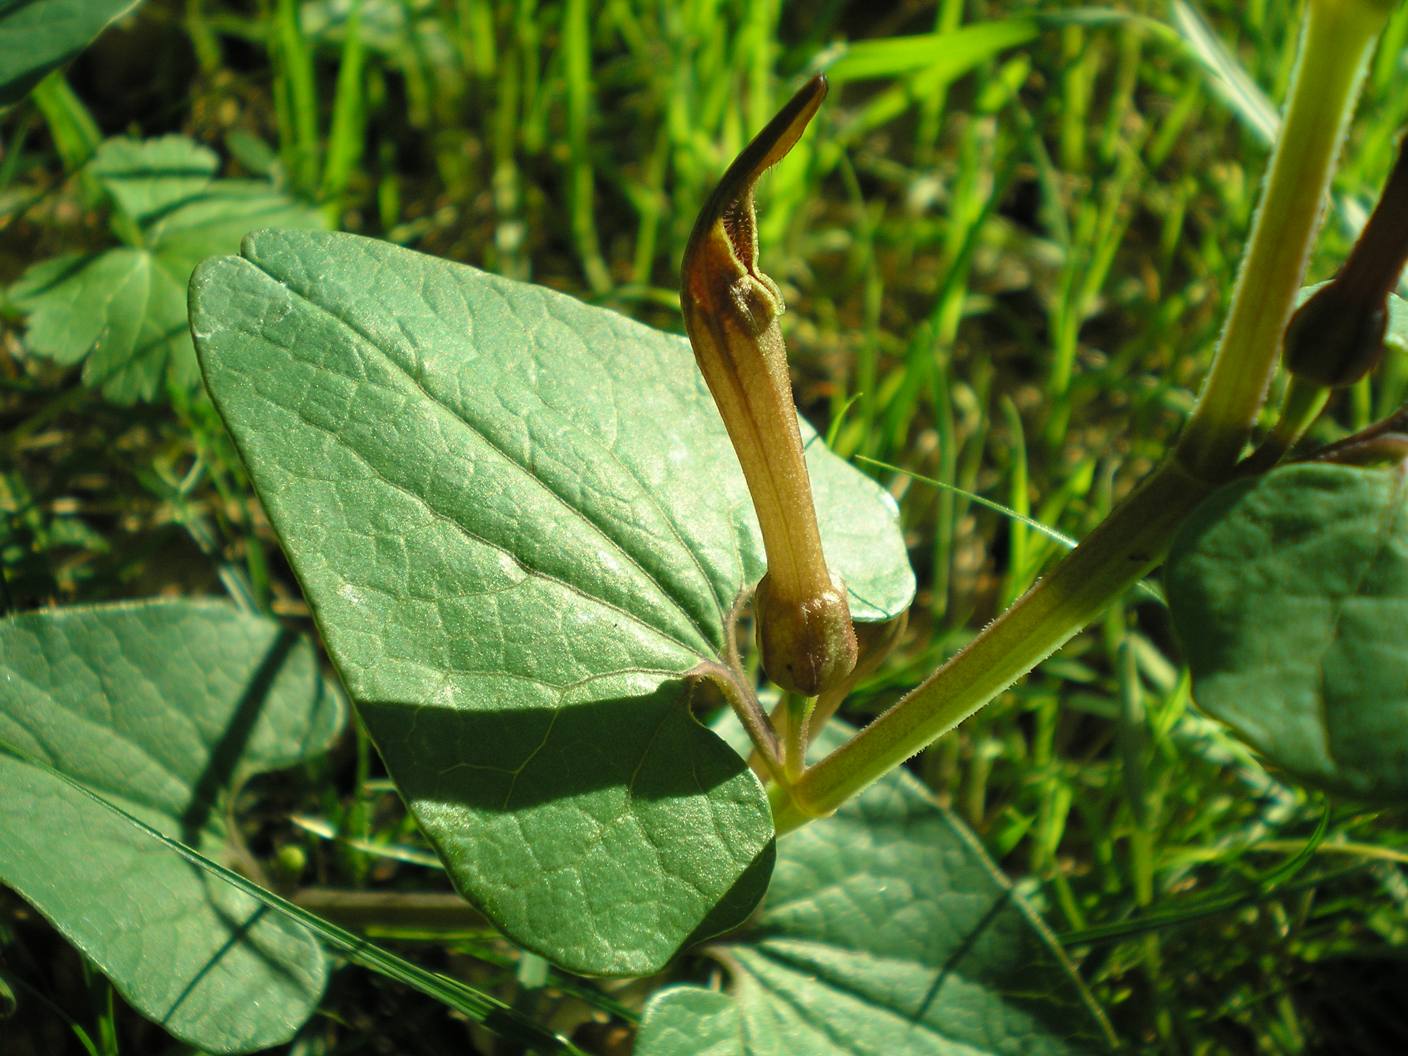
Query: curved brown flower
[731, 312]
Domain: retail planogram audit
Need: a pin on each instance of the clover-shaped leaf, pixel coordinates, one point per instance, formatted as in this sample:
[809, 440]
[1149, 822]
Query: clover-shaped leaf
[122, 312]
[521, 526]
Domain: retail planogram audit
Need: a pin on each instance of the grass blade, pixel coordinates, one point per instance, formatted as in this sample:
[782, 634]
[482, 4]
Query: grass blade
[997, 507]
[347, 138]
[296, 96]
[1224, 73]
[1144, 586]
[941, 56]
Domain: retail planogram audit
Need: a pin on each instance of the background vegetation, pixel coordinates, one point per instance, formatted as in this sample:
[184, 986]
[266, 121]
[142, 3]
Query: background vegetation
[1005, 259]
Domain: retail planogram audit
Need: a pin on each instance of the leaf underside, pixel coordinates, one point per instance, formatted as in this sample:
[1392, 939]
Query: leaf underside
[161, 707]
[520, 525]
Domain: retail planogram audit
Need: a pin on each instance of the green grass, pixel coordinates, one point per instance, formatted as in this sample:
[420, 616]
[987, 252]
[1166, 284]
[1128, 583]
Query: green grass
[1006, 278]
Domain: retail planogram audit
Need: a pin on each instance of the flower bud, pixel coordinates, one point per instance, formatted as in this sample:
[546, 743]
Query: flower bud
[1337, 336]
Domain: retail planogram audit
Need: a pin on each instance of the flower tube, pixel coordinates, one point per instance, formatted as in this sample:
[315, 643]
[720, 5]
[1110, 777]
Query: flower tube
[731, 312]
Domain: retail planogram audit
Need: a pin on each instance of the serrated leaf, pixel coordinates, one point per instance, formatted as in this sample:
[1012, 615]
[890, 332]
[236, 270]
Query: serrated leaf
[119, 313]
[149, 177]
[122, 313]
[38, 35]
[222, 216]
[162, 707]
[886, 930]
[1288, 592]
[520, 525]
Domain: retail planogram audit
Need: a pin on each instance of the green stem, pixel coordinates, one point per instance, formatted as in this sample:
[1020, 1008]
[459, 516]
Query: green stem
[297, 96]
[1132, 540]
[798, 712]
[1304, 402]
[391, 910]
[1335, 49]
[1129, 543]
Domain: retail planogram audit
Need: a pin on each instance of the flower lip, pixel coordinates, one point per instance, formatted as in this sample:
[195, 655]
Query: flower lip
[730, 206]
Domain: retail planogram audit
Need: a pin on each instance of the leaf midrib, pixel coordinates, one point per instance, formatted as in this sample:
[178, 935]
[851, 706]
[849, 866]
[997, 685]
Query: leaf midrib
[528, 570]
[703, 648]
[837, 983]
[710, 586]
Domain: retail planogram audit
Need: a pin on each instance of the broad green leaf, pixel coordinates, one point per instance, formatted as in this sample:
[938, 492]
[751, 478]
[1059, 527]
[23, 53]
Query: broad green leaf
[122, 313]
[1288, 593]
[520, 526]
[886, 930]
[38, 35]
[162, 707]
[500, 1018]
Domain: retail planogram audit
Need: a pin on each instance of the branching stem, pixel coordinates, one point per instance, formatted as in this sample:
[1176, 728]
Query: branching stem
[1335, 46]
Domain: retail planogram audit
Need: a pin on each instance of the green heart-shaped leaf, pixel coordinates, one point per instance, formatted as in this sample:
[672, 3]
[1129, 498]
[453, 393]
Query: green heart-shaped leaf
[520, 525]
[1288, 593]
[886, 930]
[161, 707]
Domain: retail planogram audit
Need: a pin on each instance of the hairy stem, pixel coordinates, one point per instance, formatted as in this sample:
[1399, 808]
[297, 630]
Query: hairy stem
[1334, 52]
[1132, 540]
[1129, 543]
